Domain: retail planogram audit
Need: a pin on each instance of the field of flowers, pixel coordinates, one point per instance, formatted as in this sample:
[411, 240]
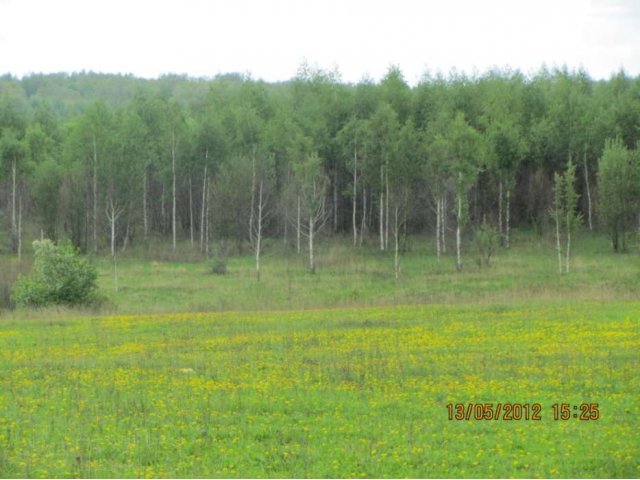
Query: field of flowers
[321, 393]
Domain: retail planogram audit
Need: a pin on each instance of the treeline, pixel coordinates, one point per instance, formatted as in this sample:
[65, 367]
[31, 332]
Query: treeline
[108, 160]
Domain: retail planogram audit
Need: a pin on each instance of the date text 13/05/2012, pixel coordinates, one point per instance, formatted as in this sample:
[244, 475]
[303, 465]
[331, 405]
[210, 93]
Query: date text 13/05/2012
[522, 411]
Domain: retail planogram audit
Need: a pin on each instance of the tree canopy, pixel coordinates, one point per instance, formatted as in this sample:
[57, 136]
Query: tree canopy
[175, 153]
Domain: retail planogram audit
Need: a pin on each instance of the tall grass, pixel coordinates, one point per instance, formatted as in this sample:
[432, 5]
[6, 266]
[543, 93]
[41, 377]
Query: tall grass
[153, 278]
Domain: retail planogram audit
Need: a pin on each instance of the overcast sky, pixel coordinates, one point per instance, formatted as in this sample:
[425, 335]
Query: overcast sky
[270, 38]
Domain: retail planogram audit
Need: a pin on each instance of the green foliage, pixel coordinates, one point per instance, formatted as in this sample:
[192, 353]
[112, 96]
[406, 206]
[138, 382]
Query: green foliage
[486, 239]
[467, 152]
[59, 277]
[311, 183]
[564, 212]
[573, 219]
[218, 262]
[219, 265]
[46, 181]
[79, 142]
[619, 191]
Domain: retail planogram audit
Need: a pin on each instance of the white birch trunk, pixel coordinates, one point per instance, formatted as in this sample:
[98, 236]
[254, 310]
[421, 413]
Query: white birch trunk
[396, 234]
[298, 228]
[335, 200]
[253, 195]
[203, 208]
[112, 220]
[355, 198]
[508, 218]
[458, 236]
[207, 220]
[370, 213]
[113, 212]
[500, 193]
[19, 227]
[163, 212]
[443, 222]
[568, 248]
[363, 226]
[259, 231]
[386, 233]
[586, 181]
[312, 266]
[438, 222]
[13, 202]
[95, 194]
[145, 218]
[190, 210]
[381, 221]
[381, 208]
[285, 230]
[558, 247]
[173, 171]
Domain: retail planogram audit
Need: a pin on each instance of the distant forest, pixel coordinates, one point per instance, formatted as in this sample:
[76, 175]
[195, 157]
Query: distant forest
[108, 161]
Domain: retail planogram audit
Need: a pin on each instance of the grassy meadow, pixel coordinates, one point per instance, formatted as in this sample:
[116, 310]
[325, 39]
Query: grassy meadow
[346, 373]
[348, 277]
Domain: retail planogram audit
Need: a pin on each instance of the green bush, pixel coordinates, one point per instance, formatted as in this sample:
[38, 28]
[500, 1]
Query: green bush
[218, 265]
[59, 277]
[218, 262]
[486, 240]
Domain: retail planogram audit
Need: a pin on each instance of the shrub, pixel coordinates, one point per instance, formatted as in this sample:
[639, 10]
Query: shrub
[59, 276]
[218, 262]
[486, 240]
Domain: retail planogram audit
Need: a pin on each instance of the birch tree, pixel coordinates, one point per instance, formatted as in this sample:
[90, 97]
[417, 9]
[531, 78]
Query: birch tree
[507, 148]
[298, 149]
[402, 182]
[312, 186]
[572, 219]
[13, 123]
[466, 151]
[12, 153]
[353, 139]
[173, 131]
[557, 214]
[90, 144]
[113, 211]
[383, 128]
[436, 174]
[211, 147]
[564, 214]
[261, 204]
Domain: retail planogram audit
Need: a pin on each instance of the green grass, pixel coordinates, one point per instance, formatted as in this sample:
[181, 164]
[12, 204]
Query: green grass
[345, 373]
[157, 280]
[364, 277]
[320, 393]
